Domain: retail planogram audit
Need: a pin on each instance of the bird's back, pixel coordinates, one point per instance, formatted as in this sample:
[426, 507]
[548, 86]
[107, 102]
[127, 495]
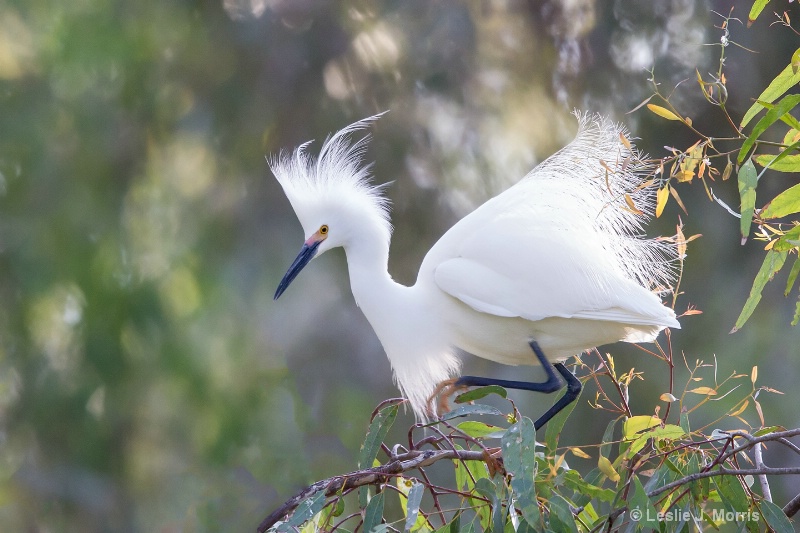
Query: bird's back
[562, 244]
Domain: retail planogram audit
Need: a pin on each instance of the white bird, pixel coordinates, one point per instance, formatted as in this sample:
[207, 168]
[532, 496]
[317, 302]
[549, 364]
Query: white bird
[553, 266]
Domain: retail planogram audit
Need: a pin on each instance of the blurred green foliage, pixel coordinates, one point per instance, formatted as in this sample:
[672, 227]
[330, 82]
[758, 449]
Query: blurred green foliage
[147, 381]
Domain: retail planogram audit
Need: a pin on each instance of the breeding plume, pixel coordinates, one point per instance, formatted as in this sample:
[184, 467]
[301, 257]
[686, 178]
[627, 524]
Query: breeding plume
[555, 265]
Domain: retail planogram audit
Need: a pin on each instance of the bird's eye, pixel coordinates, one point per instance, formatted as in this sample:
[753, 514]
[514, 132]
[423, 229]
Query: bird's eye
[323, 229]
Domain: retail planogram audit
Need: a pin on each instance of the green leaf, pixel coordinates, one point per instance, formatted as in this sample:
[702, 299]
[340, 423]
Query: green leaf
[732, 494]
[755, 11]
[373, 514]
[786, 242]
[748, 179]
[378, 429]
[685, 422]
[775, 517]
[772, 264]
[307, 509]
[768, 430]
[476, 429]
[787, 163]
[781, 162]
[640, 505]
[636, 424]
[519, 457]
[796, 317]
[669, 431]
[795, 64]
[561, 518]
[481, 392]
[788, 103]
[412, 507]
[487, 488]
[663, 475]
[786, 203]
[556, 424]
[467, 410]
[573, 481]
[594, 479]
[608, 438]
[784, 81]
[792, 275]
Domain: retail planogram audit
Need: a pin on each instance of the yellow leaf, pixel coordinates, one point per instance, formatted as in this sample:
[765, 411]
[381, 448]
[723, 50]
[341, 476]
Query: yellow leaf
[759, 411]
[741, 409]
[636, 424]
[631, 205]
[607, 468]
[663, 112]
[727, 172]
[579, 453]
[625, 141]
[684, 176]
[754, 375]
[708, 391]
[791, 137]
[667, 397]
[661, 199]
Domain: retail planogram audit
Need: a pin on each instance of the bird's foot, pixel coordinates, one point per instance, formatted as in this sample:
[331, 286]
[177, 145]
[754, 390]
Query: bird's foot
[438, 403]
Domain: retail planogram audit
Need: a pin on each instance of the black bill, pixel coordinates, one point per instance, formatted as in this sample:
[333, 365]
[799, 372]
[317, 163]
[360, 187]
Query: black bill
[306, 254]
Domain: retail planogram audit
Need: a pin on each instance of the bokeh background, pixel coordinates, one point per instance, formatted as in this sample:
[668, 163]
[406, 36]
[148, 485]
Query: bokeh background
[148, 382]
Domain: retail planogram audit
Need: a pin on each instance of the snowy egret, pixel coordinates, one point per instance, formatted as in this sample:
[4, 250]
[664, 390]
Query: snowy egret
[553, 266]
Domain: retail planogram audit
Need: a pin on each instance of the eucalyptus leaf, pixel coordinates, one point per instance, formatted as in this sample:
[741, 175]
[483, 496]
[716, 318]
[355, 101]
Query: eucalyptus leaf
[747, 180]
[773, 262]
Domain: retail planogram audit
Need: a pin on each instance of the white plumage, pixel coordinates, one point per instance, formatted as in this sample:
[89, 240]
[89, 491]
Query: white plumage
[558, 258]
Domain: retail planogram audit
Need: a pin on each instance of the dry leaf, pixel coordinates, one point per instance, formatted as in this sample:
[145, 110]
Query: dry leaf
[708, 391]
[661, 199]
[663, 112]
[741, 409]
[579, 453]
[631, 205]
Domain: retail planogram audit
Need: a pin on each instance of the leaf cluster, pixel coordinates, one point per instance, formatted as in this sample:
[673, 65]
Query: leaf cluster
[745, 155]
[650, 471]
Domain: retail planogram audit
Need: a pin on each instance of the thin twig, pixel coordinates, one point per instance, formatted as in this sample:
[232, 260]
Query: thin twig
[726, 472]
[369, 476]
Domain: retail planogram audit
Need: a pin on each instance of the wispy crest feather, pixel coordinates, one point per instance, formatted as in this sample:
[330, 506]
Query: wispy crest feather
[575, 177]
[337, 172]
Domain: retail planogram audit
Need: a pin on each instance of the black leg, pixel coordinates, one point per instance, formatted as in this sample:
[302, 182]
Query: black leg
[552, 384]
[573, 390]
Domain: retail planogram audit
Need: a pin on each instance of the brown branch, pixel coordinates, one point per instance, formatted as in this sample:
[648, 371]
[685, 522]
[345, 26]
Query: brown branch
[369, 476]
[726, 472]
[791, 508]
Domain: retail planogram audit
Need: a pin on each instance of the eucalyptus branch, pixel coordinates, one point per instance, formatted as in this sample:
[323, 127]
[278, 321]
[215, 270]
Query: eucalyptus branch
[370, 476]
[769, 471]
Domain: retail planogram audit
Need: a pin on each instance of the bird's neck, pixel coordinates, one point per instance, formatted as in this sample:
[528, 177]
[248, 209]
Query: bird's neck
[367, 264]
[381, 299]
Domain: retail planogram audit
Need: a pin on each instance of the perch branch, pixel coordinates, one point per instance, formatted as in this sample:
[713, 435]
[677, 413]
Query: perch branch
[369, 476]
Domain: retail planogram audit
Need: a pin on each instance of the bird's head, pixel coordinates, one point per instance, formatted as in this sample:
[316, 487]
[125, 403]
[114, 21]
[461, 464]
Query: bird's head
[332, 196]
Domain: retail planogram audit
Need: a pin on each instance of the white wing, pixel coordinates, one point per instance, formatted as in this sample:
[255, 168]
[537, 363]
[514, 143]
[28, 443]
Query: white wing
[562, 242]
[510, 267]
